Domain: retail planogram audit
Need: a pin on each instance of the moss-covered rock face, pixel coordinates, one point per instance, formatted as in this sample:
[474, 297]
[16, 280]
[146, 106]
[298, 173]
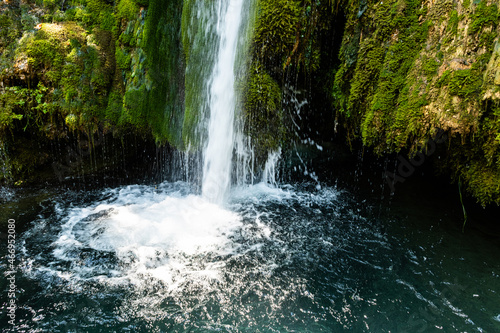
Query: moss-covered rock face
[154, 89]
[264, 115]
[277, 28]
[411, 66]
[406, 67]
[72, 68]
[286, 53]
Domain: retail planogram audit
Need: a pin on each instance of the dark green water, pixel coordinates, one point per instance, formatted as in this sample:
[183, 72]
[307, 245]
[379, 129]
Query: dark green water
[294, 259]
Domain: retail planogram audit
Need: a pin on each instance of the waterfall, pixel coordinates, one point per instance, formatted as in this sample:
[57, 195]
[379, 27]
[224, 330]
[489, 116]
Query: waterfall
[269, 174]
[218, 153]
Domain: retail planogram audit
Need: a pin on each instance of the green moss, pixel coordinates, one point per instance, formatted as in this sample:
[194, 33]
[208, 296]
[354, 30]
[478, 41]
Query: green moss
[123, 59]
[127, 9]
[46, 54]
[159, 103]
[188, 30]
[76, 72]
[276, 29]
[88, 79]
[452, 26]
[10, 104]
[287, 34]
[483, 16]
[135, 102]
[381, 95]
[28, 18]
[483, 183]
[390, 90]
[107, 20]
[114, 109]
[100, 14]
[444, 79]
[71, 121]
[430, 66]
[476, 159]
[263, 111]
[8, 31]
[51, 4]
[371, 58]
[465, 83]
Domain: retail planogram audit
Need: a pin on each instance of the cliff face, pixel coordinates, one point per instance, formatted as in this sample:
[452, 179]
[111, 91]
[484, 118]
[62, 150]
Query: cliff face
[391, 72]
[410, 67]
[73, 71]
[292, 54]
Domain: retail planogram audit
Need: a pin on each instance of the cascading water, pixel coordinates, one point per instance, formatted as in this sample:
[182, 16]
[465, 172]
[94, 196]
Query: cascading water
[269, 174]
[222, 100]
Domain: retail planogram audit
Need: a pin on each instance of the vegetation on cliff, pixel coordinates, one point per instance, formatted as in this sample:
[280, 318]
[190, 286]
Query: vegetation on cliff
[86, 68]
[402, 69]
[409, 67]
[286, 54]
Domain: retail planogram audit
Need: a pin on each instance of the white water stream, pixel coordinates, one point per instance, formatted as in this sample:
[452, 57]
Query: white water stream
[219, 149]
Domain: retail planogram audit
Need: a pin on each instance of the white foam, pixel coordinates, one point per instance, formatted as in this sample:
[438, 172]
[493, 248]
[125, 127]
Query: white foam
[260, 192]
[151, 237]
[143, 235]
